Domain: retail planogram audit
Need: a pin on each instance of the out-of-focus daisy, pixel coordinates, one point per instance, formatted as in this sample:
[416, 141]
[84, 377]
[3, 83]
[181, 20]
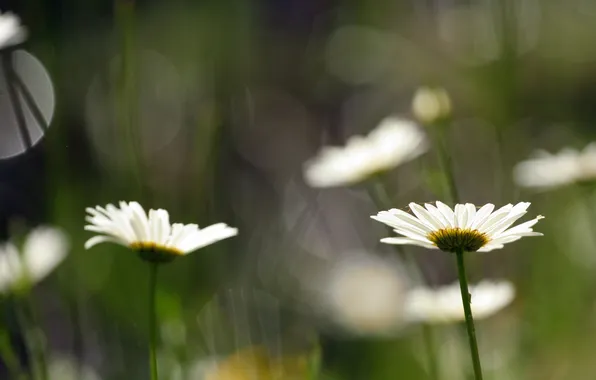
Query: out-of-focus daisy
[11, 30]
[365, 296]
[257, 363]
[44, 248]
[392, 143]
[245, 340]
[545, 170]
[66, 368]
[151, 235]
[431, 105]
[443, 305]
[465, 228]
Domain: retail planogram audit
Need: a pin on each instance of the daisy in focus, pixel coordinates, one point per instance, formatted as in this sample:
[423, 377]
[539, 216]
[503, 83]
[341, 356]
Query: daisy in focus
[43, 250]
[545, 170]
[465, 228]
[11, 30]
[444, 305]
[394, 142]
[151, 234]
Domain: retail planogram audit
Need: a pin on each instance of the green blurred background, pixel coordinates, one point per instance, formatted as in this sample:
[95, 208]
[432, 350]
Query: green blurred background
[210, 108]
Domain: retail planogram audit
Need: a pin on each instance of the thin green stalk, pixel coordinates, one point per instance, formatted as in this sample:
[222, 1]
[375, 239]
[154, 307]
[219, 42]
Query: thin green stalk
[431, 352]
[34, 339]
[9, 356]
[500, 173]
[446, 166]
[77, 331]
[379, 194]
[153, 321]
[314, 370]
[127, 92]
[465, 297]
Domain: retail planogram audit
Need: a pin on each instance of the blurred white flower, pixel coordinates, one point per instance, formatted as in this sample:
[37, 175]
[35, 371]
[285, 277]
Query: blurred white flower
[365, 295]
[11, 30]
[392, 143]
[152, 236]
[431, 104]
[444, 304]
[65, 368]
[546, 170]
[253, 363]
[43, 250]
[466, 228]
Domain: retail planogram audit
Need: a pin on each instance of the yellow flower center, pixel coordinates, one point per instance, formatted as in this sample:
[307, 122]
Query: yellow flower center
[454, 239]
[154, 252]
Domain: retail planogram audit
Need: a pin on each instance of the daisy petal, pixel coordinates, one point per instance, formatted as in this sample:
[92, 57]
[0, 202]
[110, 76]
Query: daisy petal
[406, 241]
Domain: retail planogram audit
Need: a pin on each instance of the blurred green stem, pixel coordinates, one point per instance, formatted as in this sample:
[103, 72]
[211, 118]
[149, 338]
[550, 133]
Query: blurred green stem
[379, 194]
[431, 351]
[9, 357]
[153, 321]
[77, 330]
[314, 369]
[466, 299]
[445, 162]
[34, 338]
[127, 92]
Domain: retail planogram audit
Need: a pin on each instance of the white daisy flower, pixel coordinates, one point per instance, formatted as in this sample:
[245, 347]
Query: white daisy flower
[392, 143]
[547, 170]
[11, 31]
[43, 250]
[151, 235]
[444, 305]
[465, 228]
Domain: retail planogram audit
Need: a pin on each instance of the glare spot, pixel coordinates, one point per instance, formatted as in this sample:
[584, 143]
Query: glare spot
[35, 94]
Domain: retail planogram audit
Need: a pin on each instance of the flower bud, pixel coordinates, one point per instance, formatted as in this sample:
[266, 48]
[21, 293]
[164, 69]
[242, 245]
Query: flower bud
[431, 105]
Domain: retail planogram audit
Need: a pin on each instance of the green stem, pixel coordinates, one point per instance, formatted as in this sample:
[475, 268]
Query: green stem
[127, 92]
[379, 194]
[33, 335]
[9, 356]
[39, 342]
[445, 163]
[431, 351]
[466, 299]
[77, 331]
[152, 321]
